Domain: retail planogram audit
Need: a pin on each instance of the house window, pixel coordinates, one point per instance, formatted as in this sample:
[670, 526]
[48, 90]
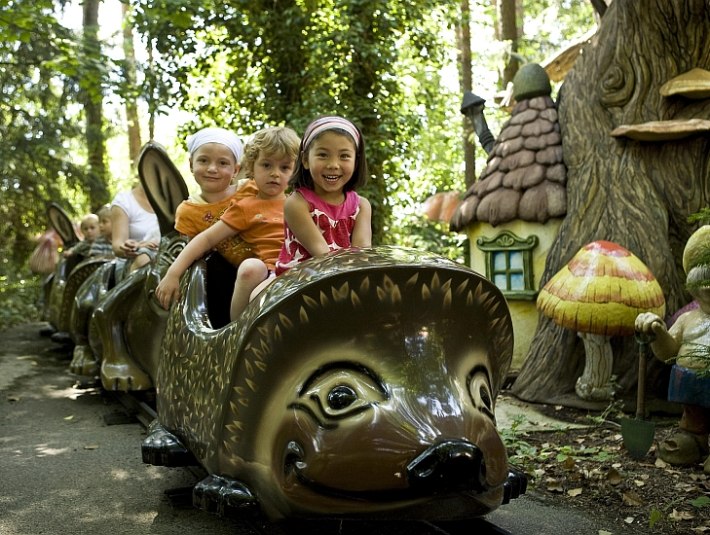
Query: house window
[508, 261]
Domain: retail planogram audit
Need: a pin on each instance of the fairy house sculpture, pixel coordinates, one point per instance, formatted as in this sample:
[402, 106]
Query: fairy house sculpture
[634, 116]
[513, 212]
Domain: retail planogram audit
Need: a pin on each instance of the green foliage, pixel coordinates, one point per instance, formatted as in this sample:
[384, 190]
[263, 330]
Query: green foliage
[614, 409]
[702, 217]
[520, 452]
[593, 453]
[18, 300]
[245, 64]
[659, 515]
[37, 124]
[654, 517]
[700, 502]
[417, 231]
[530, 457]
[548, 24]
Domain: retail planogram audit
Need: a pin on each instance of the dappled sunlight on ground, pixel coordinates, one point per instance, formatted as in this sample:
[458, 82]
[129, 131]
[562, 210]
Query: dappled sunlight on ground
[69, 393]
[119, 474]
[155, 473]
[43, 450]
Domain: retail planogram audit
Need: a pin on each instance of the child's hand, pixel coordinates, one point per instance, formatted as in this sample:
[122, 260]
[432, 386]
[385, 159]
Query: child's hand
[168, 291]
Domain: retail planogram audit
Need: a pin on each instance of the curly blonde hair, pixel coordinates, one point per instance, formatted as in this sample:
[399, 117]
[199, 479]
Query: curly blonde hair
[279, 141]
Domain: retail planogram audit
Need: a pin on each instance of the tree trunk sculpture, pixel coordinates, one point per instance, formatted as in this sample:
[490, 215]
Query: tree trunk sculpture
[635, 193]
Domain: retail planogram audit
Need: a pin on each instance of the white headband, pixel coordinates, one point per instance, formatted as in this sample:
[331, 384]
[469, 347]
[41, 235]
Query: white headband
[215, 135]
[331, 122]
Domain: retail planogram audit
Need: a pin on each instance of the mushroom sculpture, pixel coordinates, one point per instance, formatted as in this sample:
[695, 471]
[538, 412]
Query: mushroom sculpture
[599, 293]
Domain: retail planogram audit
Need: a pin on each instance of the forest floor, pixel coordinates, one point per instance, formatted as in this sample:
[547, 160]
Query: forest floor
[584, 464]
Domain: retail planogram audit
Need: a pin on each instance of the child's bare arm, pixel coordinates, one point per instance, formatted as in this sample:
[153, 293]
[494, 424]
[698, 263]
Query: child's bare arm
[362, 232]
[299, 220]
[168, 288]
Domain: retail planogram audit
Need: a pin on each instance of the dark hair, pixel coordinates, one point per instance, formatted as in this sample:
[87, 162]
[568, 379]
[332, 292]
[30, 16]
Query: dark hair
[302, 177]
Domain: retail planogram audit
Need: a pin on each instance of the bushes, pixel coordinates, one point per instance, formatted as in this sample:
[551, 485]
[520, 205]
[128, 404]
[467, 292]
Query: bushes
[19, 300]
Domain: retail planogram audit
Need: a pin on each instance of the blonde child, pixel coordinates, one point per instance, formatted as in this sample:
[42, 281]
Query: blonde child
[324, 213]
[102, 245]
[257, 219]
[215, 154]
[90, 229]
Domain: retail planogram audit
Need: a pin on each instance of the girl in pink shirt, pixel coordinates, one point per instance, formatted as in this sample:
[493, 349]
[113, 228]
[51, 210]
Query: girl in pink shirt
[324, 213]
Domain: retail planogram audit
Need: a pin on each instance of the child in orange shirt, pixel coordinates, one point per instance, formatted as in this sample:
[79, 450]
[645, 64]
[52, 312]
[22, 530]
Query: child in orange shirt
[215, 155]
[258, 219]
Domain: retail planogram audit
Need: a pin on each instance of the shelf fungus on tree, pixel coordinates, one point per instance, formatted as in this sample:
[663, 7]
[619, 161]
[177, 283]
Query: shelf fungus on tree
[598, 294]
[694, 84]
[662, 130]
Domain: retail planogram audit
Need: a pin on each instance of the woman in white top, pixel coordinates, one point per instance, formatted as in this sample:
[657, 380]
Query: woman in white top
[136, 233]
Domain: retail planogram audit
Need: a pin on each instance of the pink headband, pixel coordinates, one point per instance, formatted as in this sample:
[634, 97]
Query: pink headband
[329, 123]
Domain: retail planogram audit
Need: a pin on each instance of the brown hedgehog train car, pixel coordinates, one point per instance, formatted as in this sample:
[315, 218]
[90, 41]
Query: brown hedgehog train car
[359, 384]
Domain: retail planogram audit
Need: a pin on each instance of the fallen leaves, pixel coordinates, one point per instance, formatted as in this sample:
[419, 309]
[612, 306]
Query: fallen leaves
[591, 468]
[632, 499]
[613, 476]
[681, 515]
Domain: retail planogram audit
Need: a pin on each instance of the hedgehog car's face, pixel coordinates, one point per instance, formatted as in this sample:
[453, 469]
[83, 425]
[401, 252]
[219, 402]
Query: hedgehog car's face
[380, 419]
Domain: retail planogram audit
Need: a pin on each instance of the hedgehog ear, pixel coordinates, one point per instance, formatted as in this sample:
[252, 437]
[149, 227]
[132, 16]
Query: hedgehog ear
[61, 223]
[163, 184]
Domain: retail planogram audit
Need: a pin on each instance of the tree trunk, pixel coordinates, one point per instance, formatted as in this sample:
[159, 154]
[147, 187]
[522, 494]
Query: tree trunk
[92, 95]
[133, 124]
[635, 193]
[463, 35]
[152, 104]
[508, 31]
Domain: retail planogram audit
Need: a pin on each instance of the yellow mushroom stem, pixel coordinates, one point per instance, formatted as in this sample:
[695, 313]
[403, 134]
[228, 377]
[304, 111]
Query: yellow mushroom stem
[594, 383]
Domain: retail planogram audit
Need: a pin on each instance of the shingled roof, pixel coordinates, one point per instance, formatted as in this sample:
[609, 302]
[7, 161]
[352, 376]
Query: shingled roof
[525, 177]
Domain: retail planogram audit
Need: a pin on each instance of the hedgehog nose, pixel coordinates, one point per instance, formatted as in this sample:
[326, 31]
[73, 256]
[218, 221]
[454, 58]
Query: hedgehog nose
[448, 465]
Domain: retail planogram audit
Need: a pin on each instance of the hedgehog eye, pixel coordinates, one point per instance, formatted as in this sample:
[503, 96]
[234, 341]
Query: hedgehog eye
[341, 393]
[341, 397]
[480, 391]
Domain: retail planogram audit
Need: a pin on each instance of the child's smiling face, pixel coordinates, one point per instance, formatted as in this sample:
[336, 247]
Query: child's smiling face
[331, 162]
[213, 166]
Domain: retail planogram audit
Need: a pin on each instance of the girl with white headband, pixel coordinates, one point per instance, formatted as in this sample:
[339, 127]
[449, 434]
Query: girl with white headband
[324, 213]
[215, 155]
